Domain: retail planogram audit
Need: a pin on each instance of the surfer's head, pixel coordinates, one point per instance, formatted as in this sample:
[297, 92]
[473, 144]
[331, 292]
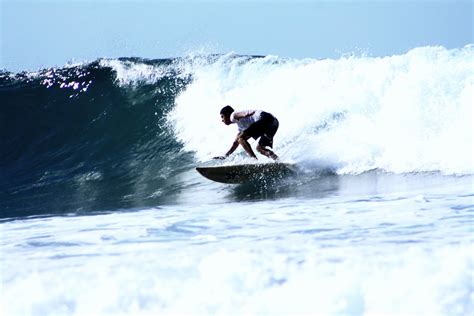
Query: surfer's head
[226, 111]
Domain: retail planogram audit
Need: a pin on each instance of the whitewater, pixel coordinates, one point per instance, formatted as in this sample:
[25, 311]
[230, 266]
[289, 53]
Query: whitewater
[103, 213]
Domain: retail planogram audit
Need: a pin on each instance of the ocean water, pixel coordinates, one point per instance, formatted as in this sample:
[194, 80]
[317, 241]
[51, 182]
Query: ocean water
[103, 213]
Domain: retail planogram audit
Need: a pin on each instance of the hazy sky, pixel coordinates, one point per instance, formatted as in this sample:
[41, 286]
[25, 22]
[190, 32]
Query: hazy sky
[39, 33]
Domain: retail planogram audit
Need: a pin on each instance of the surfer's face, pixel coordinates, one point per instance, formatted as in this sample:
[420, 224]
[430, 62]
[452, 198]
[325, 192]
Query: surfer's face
[225, 119]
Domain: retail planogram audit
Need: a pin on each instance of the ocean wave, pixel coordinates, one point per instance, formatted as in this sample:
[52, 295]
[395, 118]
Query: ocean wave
[141, 123]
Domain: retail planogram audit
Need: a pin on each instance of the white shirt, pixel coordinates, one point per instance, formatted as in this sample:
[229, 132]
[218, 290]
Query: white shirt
[247, 118]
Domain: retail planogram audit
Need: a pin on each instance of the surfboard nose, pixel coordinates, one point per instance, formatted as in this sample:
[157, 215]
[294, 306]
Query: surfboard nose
[223, 176]
[202, 170]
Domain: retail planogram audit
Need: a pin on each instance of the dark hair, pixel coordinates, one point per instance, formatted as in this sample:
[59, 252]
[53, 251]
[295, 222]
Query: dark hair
[227, 110]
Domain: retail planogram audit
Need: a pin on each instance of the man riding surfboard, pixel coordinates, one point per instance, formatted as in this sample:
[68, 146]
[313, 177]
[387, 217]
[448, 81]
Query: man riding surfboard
[251, 123]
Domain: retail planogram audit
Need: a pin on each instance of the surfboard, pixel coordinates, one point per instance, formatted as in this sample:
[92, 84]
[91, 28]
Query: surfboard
[246, 172]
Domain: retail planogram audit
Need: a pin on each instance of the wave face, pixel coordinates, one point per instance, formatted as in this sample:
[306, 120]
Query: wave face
[121, 133]
[88, 137]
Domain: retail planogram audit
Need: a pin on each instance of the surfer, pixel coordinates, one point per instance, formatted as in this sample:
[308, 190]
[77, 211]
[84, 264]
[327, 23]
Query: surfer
[251, 123]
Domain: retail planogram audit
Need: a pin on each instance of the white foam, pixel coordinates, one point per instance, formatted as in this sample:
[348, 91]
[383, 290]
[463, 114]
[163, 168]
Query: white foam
[220, 260]
[406, 113]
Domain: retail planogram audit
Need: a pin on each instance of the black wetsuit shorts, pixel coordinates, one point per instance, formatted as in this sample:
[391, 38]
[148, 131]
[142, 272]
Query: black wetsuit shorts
[265, 128]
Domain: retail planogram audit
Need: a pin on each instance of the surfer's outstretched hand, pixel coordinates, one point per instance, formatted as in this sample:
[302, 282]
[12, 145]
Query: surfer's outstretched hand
[219, 157]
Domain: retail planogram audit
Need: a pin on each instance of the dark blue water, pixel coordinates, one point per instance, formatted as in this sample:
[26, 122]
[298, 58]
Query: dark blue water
[62, 127]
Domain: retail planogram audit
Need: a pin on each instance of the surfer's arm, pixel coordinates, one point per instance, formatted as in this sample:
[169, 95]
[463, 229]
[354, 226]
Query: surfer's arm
[242, 114]
[235, 144]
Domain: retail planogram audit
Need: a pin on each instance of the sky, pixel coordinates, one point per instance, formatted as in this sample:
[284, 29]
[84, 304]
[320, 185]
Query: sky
[36, 34]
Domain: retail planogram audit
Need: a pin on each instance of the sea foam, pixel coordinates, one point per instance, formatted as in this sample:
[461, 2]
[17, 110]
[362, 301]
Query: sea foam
[403, 113]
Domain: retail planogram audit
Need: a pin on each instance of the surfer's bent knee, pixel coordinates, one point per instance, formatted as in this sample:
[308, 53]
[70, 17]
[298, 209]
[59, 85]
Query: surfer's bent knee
[241, 137]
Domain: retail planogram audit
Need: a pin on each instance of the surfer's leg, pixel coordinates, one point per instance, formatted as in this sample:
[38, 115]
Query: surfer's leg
[267, 141]
[266, 152]
[268, 130]
[242, 139]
